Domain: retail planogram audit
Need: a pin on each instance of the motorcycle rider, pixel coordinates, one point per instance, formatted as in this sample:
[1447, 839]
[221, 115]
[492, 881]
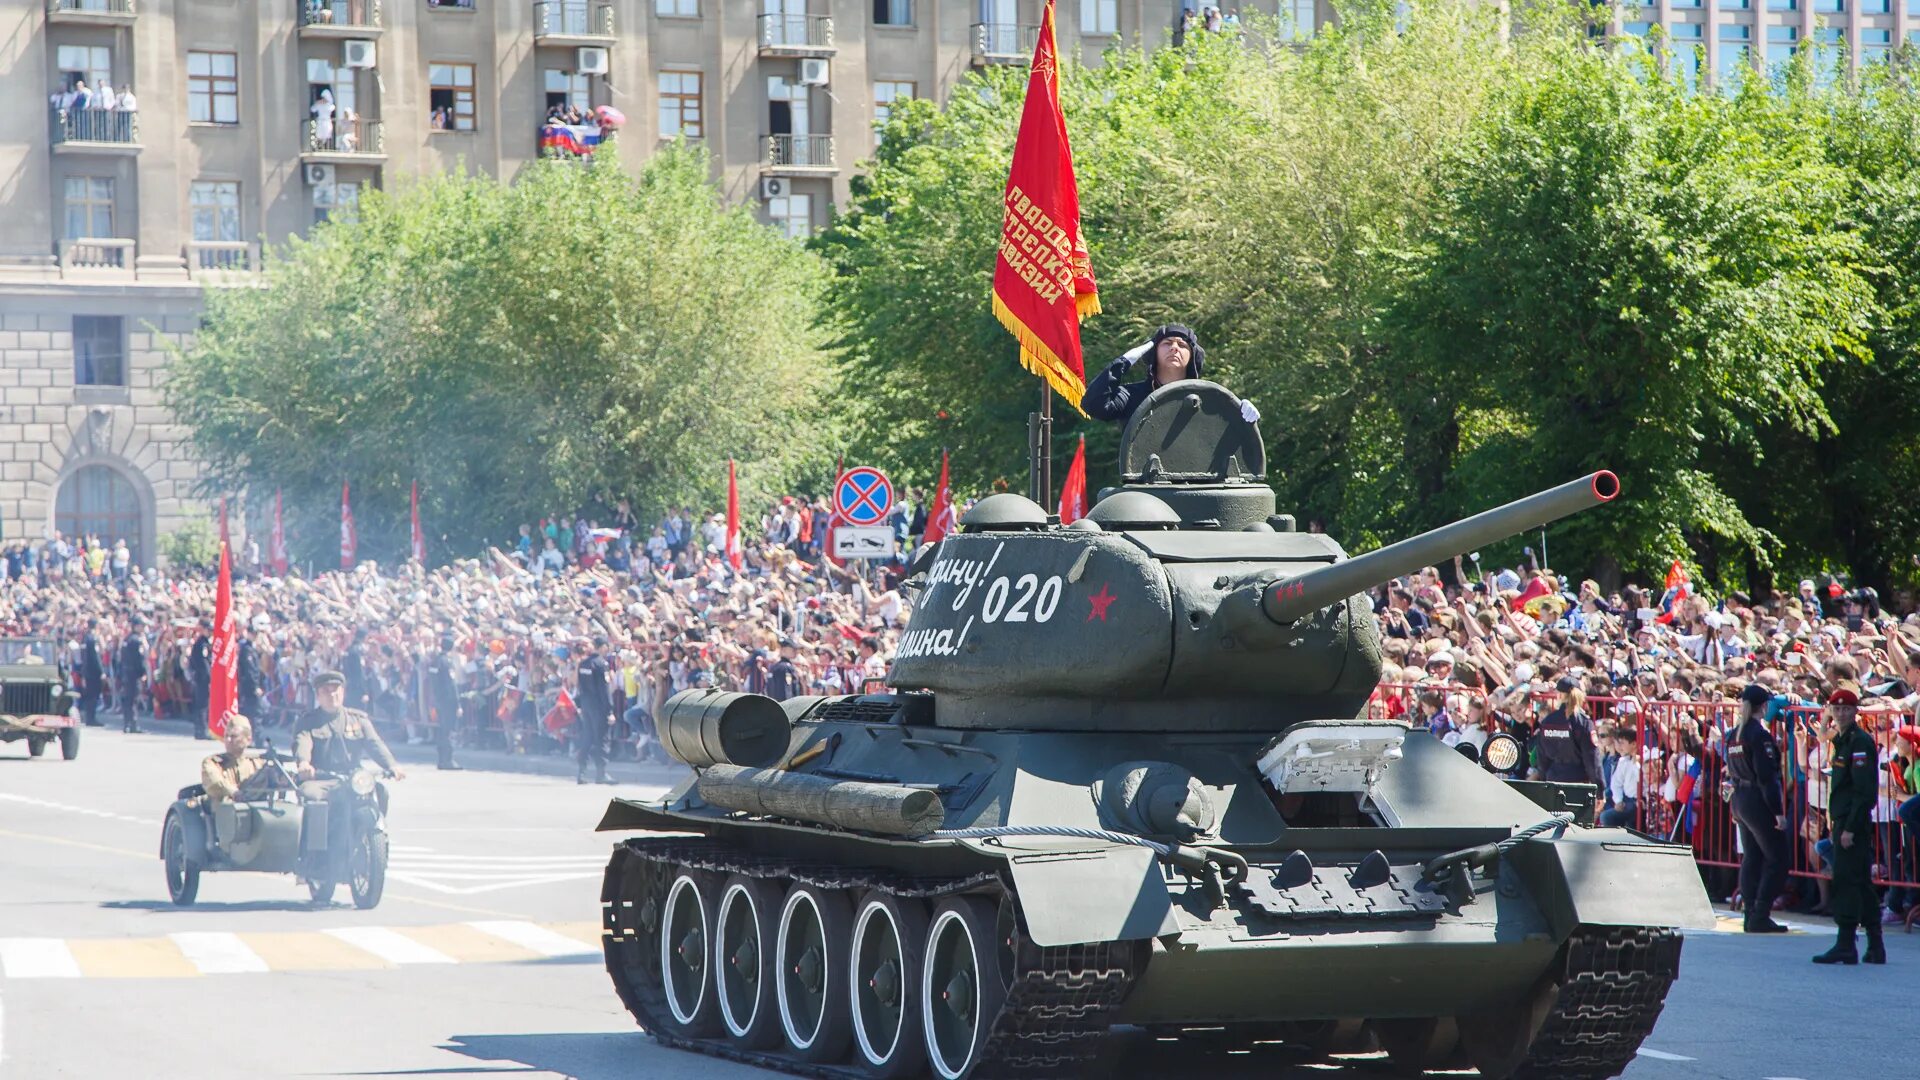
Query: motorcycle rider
[333, 738]
[222, 774]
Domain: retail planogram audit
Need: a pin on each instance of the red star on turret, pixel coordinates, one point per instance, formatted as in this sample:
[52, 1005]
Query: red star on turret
[1101, 601]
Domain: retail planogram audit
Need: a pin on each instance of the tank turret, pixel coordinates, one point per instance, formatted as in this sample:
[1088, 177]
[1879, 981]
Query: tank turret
[1183, 602]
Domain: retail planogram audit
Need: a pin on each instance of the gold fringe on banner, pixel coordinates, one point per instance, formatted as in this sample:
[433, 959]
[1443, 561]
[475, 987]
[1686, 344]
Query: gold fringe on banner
[1038, 357]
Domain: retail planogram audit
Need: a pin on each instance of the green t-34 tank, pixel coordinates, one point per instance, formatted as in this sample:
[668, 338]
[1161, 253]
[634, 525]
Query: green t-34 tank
[1123, 784]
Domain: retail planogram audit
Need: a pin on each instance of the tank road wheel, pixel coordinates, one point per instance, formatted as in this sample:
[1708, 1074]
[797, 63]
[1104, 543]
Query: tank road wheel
[815, 925]
[183, 881]
[69, 743]
[884, 989]
[743, 960]
[1418, 1044]
[961, 988]
[686, 955]
[37, 744]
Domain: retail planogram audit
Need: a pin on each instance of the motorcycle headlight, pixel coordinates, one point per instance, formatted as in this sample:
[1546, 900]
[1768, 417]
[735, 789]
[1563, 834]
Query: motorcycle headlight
[1502, 753]
[363, 782]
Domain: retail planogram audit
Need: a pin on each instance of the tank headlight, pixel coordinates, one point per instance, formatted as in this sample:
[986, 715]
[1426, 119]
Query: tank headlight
[363, 782]
[1502, 753]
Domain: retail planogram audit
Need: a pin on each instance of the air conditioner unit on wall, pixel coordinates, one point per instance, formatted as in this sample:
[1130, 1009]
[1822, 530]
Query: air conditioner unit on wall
[813, 72]
[319, 175]
[357, 54]
[775, 187]
[591, 61]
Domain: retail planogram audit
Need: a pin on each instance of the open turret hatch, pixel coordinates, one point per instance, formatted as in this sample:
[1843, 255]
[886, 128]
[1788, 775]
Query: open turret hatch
[1191, 432]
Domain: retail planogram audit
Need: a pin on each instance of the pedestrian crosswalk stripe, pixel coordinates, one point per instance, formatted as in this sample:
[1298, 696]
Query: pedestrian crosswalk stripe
[217, 953]
[37, 958]
[389, 945]
[192, 954]
[538, 938]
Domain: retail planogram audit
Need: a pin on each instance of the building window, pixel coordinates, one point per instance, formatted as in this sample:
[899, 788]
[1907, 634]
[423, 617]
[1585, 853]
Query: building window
[457, 5]
[792, 215]
[893, 12]
[213, 88]
[450, 97]
[1783, 5]
[99, 351]
[1099, 16]
[885, 93]
[1876, 46]
[1299, 16]
[1733, 64]
[567, 90]
[97, 501]
[215, 207]
[336, 202]
[1830, 7]
[93, 63]
[1684, 3]
[680, 105]
[684, 9]
[1875, 7]
[1780, 43]
[1734, 5]
[89, 206]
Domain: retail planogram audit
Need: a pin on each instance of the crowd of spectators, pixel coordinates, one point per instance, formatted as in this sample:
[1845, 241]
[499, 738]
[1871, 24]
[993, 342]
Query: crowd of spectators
[1656, 678]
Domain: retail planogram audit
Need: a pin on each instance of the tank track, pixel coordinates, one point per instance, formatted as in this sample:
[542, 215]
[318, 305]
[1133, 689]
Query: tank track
[1613, 987]
[1059, 1006]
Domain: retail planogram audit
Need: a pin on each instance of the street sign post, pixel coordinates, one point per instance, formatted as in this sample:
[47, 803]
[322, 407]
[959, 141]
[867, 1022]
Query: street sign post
[862, 496]
[863, 542]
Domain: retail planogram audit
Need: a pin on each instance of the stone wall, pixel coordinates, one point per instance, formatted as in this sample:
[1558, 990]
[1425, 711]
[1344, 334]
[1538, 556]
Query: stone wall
[50, 428]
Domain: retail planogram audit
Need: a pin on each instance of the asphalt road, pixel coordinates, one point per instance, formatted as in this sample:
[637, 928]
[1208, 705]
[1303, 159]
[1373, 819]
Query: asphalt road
[481, 959]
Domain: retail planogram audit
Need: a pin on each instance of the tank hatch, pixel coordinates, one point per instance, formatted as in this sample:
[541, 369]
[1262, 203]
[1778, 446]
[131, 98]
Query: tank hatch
[1005, 512]
[1191, 432]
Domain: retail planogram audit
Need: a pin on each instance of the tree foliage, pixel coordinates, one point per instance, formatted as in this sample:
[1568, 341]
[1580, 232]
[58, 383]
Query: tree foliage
[516, 348]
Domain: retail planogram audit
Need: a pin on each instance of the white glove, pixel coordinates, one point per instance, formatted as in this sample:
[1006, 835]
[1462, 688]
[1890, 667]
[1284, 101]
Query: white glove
[1248, 413]
[1134, 354]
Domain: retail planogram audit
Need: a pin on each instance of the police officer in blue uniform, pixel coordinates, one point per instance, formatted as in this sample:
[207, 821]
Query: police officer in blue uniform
[1759, 810]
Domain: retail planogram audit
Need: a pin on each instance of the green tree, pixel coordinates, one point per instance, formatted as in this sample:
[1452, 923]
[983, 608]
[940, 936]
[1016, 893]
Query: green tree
[516, 348]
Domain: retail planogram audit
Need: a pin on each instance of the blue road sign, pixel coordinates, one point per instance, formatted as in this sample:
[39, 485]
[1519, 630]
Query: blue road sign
[863, 496]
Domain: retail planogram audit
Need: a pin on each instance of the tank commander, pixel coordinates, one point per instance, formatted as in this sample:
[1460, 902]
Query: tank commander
[223, 773]
[332, 738]
[1176, 355]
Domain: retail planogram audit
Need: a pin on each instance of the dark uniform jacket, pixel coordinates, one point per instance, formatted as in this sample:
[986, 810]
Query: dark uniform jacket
[92, 672]
[443, 691]
[1854, 782]
[591, 693]
[133, 660]
[252, 683]
[1107, 398]
[200, 664]
[1753, 760]
[1563, 745]
[336, 742]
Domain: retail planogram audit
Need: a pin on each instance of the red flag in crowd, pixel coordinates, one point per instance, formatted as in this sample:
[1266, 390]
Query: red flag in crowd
[419, 538]
[1073, 493]
[349, 539]
[1043, 279]
[562, 715]
[733, 518]
[223, 695]
[1677, 587]
[278, 547]
[833, 514]
[224, 540]
[940, 518]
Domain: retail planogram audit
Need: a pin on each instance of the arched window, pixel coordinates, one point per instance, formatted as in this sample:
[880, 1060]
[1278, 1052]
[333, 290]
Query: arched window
[97, 501]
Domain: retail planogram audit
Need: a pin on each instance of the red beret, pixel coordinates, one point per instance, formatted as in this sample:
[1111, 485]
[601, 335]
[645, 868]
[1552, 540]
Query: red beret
[1845, 693]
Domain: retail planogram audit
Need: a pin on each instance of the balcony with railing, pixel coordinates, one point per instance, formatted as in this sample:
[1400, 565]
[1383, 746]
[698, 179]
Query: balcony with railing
[1004, 43]
[800, 153]
[339, 18]
[211, 258]
[97, 255]
[90, 12]
[572, 22]
[344, 140]
[97, 131]
[796, 35]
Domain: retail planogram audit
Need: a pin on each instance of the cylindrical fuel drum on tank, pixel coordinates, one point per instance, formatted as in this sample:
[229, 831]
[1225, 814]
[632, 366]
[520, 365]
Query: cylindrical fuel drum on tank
[894, 809]
[711, 727]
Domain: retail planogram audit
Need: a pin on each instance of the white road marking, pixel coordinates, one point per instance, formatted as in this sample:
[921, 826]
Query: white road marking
[68, 808]
[216, 952]
[436, 884]
[1662, 1055]
[37, 958]
[538, 938]
[389, 946]
[469, 875]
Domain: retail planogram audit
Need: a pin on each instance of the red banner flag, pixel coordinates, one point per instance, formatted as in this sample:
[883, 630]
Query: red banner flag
[1043, 278]
[733, 518]
[419, 538]
[940, 520]
[349, 539]
[1073, 492]
[223, 695]
[278, 549]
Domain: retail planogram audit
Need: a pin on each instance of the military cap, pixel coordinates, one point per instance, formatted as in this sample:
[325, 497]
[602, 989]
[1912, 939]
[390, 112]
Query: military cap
[328, 678]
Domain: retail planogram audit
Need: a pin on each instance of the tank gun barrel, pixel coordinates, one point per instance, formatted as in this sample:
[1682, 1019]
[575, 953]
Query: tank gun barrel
[1288, 600]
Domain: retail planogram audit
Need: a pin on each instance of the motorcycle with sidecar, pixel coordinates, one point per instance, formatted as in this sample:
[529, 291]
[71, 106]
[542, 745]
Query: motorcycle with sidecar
[270, 827]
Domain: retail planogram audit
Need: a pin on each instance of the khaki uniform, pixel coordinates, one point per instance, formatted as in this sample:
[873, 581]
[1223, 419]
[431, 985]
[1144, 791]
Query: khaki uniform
[222, 774]
[337, 742]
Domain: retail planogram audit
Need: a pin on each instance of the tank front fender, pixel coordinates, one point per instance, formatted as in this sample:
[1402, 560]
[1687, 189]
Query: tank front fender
[193, 834]
[1102, 894]
[1598, 880]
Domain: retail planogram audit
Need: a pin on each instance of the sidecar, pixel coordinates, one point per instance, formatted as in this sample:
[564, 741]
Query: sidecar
[260, 829]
